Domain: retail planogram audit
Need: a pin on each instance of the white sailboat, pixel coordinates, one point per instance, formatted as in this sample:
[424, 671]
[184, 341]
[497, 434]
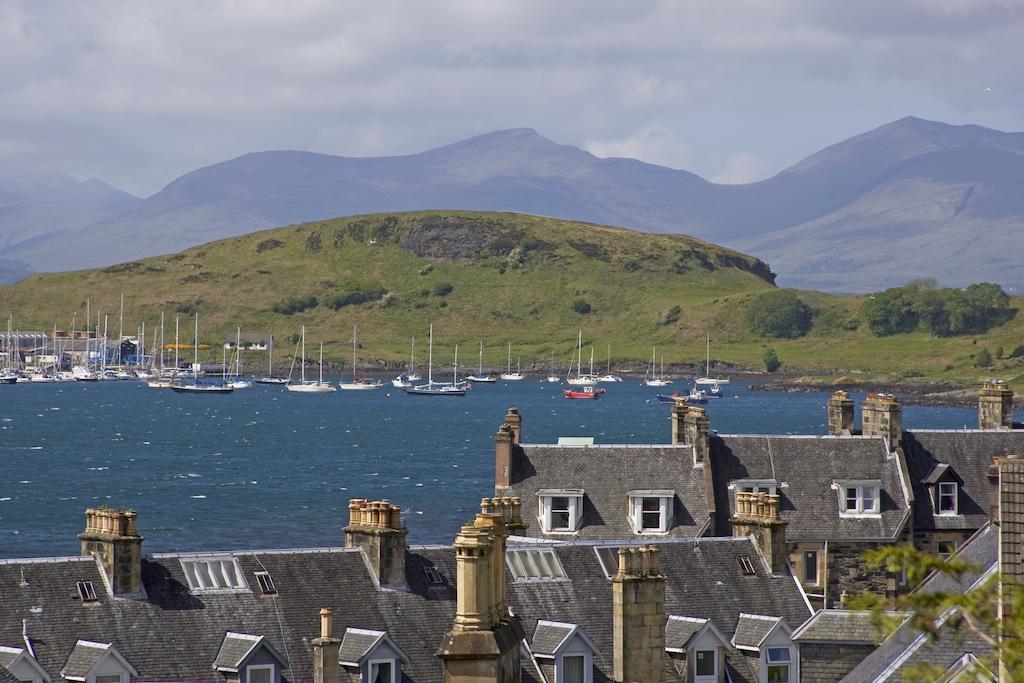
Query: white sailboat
[480, 376]
[552, 377]
[432, 388]
[707, 380]
[237, 381]
[609, 377]
[581, 379]
[508, 375]
[270, 377]
[162, 381]
[311, 386]
[405, 380]
[651, 378]
[358, 383]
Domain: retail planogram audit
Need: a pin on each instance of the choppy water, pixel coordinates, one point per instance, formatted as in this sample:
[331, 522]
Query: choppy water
[265, 468]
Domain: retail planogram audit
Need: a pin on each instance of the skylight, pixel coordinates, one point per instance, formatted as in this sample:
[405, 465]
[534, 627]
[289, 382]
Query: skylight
[433, 576]
[609, 559]
[746, 565]
[534, 564]
[213, 573]
[266, 583]
[86, 591]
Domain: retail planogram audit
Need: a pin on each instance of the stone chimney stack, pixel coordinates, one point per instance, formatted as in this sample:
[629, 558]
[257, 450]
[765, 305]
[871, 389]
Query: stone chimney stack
[882, 415]
[1011, 529]
[509, 507]
[483, 643]
[504, 453]
[111, 537]
[376, 528]
[697, 433]
[757, 515]
[326, 668]
[840, 414]
[638, 617]
[514, 420]
[995, 406]
[679, 410]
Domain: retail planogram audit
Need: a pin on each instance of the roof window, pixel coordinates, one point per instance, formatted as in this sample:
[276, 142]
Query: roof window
[746, 565]
[266, 583]
[433, 576]
[534, 564]
[213, 573]
[86, 591]
[609, 559]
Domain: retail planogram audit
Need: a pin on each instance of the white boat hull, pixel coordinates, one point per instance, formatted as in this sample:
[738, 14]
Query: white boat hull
[657, 382]
[359, 386]
[312, 388]
[512, 376]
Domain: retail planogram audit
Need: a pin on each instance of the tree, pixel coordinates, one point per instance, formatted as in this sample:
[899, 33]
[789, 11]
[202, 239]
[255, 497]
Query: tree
[779, 313]
[771, 360]
[581, 306]
[890, 312]
[983, 358]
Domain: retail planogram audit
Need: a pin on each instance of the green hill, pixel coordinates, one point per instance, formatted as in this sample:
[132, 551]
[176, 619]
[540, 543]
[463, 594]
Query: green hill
[496, 277]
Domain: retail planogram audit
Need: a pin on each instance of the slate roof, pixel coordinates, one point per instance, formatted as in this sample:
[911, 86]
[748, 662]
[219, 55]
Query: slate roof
[838, 626]
[703, 580]
[82, 659]
[8, 655]
[606, 474]
[679, 631]
[548, 636]
[233, 651]
[751, 629]
[969, 452]
[907, 647]
[356, 643]
[177, 635]
[807, 467]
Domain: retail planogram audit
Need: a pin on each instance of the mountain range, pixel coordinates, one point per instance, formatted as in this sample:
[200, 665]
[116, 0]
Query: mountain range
[910, 199]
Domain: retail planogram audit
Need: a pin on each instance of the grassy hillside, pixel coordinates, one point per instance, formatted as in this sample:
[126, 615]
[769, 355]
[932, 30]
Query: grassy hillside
[495, 277]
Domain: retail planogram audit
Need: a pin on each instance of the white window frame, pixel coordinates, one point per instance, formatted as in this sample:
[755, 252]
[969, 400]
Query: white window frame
[214, 578]
[860, 489]
[121, 677]
[545, 499]
[636, 507]
[713, 676]
[939, 495]
[259, 667]
[588, 666]
[788, 662]
[534, 564]
[390, 662]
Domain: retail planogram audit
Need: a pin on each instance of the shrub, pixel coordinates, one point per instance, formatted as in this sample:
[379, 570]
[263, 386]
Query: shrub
[581, 306]
[267, 245]
[1017, 352]
[779, 313]
[295, 305]
[983, 358]
[443, 289]
[771, 360]
[354, 298]
[671, 315]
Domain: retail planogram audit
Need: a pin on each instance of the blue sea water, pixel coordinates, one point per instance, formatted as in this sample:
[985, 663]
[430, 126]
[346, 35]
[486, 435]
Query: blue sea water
[265, 468]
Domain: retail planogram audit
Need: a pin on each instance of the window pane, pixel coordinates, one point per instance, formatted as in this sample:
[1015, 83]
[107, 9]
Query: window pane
[778, 654]
[380, 672]
[778, 673]
[259, 675]
[851, 499]
[109, 678]
[705, 664]
[870, 496]
[811, 566]
[573, 668]
[556, 567]
[560, 520]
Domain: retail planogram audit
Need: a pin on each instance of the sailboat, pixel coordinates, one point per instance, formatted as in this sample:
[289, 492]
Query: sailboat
[609, 377]
[270, 377]
[161, 380]
[432, 388]
[197, 387]
[508, 375]
[480, 376]
[405, 380]
[707, 379]
[238, 382]
[552, 377]
[580, 379]
[358, 383]
[311, 386]
[651, 378]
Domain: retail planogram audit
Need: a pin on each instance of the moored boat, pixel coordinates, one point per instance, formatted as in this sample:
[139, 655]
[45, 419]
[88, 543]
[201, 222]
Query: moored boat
[508, 375]
[310, 386]
[358, 383]
[584, 393]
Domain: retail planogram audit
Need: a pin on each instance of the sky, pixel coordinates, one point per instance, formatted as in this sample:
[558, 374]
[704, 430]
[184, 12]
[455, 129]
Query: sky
[137, 93]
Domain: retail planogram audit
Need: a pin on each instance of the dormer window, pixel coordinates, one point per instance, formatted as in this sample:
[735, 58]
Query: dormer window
[778, 662]
[371, 656]
[565, 647]
[650, 512]
[560, 510]
[92, 662]
[946, 499]
[859, 499]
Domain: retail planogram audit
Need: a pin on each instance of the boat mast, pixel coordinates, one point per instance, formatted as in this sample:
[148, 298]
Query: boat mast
[270, 356]
[238, 351]
[106, 337]
[177, 363]
[120, 332]
[302, 365]
[355, 329]
[481, 370]
[321, 363]
[195, 353]
[430, 357]
[509, 358]
[455, 373]
[161, 343]
[707, 362]
[412, 356]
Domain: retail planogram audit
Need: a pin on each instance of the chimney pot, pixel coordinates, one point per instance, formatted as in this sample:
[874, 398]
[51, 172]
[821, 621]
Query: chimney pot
[325, 622]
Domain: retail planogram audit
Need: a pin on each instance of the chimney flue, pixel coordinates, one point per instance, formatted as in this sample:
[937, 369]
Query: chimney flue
[376, 528]
[111, 536]
[326, 667]
[638, 617]
[840, 414]
[995, 406]
[882, 415]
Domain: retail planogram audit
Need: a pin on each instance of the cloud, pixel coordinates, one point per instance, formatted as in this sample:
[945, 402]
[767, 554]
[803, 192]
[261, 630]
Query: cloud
[653, 143]
[137, 93]
[741, 168]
